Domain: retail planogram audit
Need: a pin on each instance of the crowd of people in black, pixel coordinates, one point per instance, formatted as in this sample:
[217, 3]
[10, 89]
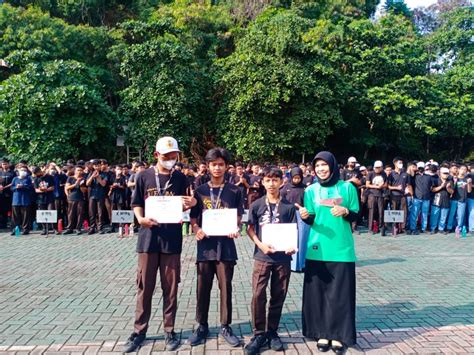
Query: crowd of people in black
[435, 198]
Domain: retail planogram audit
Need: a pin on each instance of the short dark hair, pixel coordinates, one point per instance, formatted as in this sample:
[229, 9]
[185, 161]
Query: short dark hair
[216, 153]
[397, 159]
[272, 171]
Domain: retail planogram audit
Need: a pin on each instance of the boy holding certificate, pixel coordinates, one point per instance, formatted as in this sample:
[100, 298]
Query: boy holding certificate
[269, 264]
[216, 251]
[159, 245]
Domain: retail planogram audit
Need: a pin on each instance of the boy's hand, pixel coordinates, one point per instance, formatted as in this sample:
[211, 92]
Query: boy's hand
[200, 235]
[303, 211]
[234, 235]
[188, 202]
[267, 249]
[291, 251]
[147, 222]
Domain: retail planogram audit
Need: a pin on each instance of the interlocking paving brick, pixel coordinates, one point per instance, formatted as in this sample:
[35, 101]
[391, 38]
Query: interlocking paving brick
[77, 295]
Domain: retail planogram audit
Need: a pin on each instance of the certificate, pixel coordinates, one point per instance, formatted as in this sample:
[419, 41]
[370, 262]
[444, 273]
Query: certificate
[281, 236]
[219, 222]
[164, 209]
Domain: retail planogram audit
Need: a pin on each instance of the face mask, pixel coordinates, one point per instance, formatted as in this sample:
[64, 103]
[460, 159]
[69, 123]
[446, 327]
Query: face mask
[52, 172]
[400, 165]
[23, 174]
[168, 164]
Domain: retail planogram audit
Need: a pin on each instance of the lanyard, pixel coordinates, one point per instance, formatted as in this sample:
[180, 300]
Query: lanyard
[215, 202]
[273, 213]
[161, 192]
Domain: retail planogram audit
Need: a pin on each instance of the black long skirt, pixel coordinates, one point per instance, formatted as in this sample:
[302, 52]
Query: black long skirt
[329, 306]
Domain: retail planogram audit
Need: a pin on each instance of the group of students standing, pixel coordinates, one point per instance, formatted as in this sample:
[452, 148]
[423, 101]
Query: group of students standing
[435, 198]
[328, 208]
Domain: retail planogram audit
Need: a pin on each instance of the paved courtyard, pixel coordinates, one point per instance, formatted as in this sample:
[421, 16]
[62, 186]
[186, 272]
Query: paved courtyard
[76, 295]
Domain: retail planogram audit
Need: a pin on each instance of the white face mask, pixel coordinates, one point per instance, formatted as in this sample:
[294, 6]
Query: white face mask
[168, 164]
[400, 165]
[23, 174]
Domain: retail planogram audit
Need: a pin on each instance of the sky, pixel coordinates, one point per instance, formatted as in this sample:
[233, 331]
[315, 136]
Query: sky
[417, 3]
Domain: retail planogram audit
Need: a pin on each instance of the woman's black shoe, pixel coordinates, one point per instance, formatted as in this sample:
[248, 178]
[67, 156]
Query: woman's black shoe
[323, 347]
[339, 349]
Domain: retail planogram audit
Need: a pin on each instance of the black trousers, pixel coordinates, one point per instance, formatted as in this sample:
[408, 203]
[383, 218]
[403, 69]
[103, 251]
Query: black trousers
[75, 215]
[96, 213]
[375, 203]
[224, 270]
[22, 217]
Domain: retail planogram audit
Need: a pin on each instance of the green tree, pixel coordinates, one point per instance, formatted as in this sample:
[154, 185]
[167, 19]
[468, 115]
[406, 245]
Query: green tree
[54, 110]
[278, 99]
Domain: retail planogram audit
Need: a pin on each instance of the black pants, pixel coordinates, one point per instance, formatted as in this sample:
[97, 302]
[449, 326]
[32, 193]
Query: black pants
[279, 277]
[375, 203]
[22, 217]
[96, 213]
[75, 215]
[5, 207]
[224, 270]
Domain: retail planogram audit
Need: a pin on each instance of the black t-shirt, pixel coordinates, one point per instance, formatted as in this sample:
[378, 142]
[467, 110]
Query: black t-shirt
[118, 195]
[164, 238]
[201, 179]
[75, 194]
[47, 181]
[440, 198]
[397, 179]
[97, 191]
[293, 193]
[260, 215]
[6, 178]
[460, 190]
[349, 174]
[217, 248]
[423, 184]
[377, 179]
[235, 179]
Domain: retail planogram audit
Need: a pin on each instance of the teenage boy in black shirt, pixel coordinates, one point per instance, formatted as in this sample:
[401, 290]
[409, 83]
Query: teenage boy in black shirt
[215, 255]
[352, 175]
[44, 187]
[421, 199]
[6, 177]
[159, 246]
[76, 189]
[117, 193]
[397, 184]
[241, 179]
[269, 265]
[97, 181]
[376, 183]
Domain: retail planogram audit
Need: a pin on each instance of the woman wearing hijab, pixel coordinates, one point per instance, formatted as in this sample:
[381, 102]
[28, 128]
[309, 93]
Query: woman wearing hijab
[293, 192]
[329, 280]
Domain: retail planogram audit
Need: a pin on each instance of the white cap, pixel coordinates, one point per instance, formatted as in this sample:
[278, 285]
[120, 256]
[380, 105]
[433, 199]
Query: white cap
[362, 168]
[167, 145]
[378, 164]
[444, 171]
[357, 165]
[435, 163]
[352, 160]
[420, 164]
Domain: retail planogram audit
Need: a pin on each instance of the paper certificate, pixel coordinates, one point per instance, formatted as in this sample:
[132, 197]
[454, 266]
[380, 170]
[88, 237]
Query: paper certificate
[219, 222]
[164, 209]
[281, 236]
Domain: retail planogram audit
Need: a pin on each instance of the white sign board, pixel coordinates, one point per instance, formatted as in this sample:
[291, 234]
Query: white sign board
[392, 216]
[46, 216]
[123, 216]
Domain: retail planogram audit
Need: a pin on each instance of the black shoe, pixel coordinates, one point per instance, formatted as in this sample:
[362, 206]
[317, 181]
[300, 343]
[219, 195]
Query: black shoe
[339, 349]
[445, 232]
[199, 336]
[43, 233]
[134, 342]
[102, 231]
[229, 337]
[415, 232]
[432, 232]
[79, 233]
[171, 341]
[323, 347]
[25, 232]
[68, 232]
[91, 231]
[58, 233]
[274, 341]
[13, 232]
[256, 343]
[382, 232]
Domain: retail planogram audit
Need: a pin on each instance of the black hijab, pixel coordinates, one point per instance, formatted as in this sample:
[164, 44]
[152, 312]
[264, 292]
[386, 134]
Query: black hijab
[330, 159]
[294, 193]
[297, 171]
